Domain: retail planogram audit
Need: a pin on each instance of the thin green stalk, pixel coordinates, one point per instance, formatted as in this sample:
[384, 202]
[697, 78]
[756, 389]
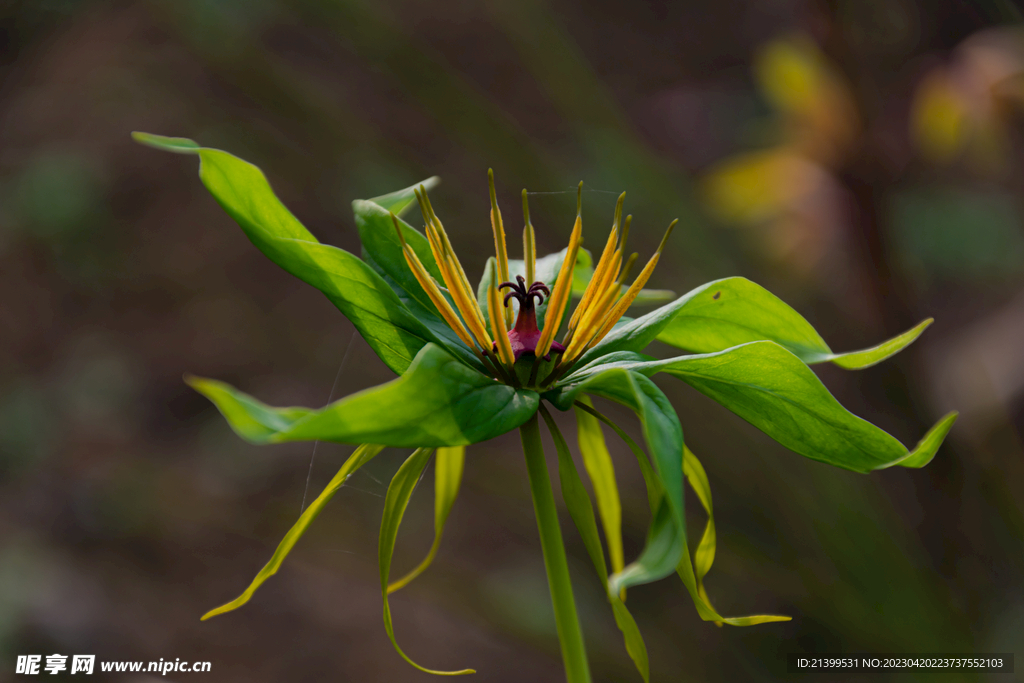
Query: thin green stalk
[570, 636]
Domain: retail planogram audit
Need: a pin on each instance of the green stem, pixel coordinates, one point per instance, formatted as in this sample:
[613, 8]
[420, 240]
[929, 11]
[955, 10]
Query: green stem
[570, 636]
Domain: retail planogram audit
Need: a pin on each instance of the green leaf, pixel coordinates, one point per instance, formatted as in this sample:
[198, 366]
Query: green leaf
[698, 478]
[447, 478]
[362, 455]
[666, 540]
[437, 402]
[359, 292]
[582, 512]
[865, 358]
[176, 145]
[776, 392]
[399, 201]
[395, 503]
[929, 444]
[598, 462]
[733, 311]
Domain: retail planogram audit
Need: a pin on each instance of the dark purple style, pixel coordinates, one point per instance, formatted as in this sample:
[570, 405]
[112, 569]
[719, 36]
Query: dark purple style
[525, 335]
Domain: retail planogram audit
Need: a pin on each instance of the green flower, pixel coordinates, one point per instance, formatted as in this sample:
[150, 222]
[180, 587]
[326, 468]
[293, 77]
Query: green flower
[465, 377]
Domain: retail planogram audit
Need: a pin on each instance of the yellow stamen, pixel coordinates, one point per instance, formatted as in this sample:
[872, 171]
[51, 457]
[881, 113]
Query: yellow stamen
[494, 305]
[563, 285]
[452, 273]
[594, 286]
[436, 245]
[466, 302]
[529, 244]
[433, 291]
[499, 239]
[634, 289]
[625, 233]
[456, 271]
[628, 268]
[588, 330]
[598, 304]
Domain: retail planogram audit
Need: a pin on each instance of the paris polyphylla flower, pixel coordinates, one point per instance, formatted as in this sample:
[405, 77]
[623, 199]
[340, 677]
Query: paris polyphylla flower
[464, 378]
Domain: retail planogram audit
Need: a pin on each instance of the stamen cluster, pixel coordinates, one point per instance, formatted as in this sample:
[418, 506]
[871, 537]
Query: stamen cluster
[602, 305]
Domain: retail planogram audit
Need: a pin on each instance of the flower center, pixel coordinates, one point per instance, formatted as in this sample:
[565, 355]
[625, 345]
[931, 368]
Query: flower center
[525, 335]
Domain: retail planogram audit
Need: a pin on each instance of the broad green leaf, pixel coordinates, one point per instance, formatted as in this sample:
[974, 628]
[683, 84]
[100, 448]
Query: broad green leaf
[437, 402]
[395, 503]
[582, 512]
[776, 392]
[362, 455]
[447, 478]
[598, 462]
[399, 201]
[359, 292]
[733, 311]
[666, 540]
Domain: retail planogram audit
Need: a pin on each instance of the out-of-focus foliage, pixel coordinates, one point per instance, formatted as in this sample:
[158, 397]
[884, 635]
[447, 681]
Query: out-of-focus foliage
[964, 108]
[789, 190]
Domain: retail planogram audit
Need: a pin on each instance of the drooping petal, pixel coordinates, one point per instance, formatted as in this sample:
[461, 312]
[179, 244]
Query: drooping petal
[448, 466]
[359, 457]
[395, 503]
[574, 493]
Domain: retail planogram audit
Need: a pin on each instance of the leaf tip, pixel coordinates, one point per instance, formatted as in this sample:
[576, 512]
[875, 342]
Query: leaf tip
[168, 144]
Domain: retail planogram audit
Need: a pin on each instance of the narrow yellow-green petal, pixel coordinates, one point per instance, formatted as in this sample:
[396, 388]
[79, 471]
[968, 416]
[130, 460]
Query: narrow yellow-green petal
[598, 463]
[395, 504]
[582, 512]
[359, 457]
[705, 554]
[447, 477]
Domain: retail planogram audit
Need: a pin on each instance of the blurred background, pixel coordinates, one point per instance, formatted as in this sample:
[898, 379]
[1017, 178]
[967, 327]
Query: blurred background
[859, 158]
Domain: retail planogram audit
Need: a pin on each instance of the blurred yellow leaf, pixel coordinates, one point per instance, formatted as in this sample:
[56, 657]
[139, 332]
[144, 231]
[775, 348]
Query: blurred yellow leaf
[755, 187]
[938, 119]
